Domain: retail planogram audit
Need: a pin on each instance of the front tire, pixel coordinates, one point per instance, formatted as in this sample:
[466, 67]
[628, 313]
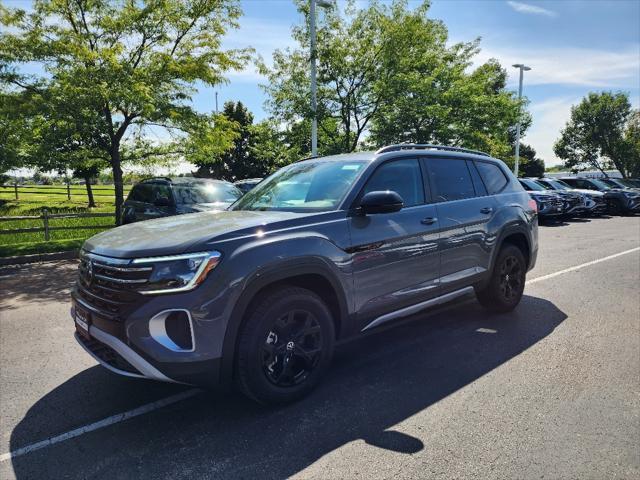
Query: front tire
[616, 208]
[285, 346]
[506, 285]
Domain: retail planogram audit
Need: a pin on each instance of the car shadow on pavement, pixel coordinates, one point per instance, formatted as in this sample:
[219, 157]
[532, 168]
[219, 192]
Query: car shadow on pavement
[32, 282]
[375, 383]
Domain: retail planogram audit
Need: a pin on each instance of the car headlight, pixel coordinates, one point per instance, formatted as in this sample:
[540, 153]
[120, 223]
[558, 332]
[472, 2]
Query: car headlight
[630, 194]
[177, 273]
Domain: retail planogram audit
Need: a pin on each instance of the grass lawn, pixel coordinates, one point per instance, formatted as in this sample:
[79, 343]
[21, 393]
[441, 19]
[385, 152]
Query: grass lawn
[30, 248]
[60, 240]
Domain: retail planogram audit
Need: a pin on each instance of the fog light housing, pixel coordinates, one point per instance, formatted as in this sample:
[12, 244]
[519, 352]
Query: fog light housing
[173, 329]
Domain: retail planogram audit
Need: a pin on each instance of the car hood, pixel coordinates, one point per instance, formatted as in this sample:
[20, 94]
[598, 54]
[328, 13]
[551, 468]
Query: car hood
[541, 194]
[182, 233]
[595, 193]
[206, 207]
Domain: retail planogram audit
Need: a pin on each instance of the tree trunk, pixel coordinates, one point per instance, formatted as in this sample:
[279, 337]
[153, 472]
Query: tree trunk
[87, 182]
[117, 182]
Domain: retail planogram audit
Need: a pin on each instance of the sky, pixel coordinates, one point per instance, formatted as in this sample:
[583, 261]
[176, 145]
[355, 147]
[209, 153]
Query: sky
[573, 47]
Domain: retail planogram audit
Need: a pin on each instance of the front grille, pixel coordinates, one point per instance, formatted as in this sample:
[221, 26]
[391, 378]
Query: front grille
[573, 201]
[107, 354]
[555, 202]
[109, 286]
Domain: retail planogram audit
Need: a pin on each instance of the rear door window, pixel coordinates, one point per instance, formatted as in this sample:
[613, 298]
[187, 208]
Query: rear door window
[493, 177]
[450, 179]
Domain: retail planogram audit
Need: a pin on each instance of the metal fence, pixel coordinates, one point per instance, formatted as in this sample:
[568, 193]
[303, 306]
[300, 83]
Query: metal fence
[46, 228]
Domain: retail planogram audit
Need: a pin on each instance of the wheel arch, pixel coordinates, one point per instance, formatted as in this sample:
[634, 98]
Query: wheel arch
[517, 236]
[312, 274]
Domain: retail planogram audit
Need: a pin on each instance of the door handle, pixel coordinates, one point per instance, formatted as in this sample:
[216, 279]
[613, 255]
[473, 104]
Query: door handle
[486, 210]
[429, 220]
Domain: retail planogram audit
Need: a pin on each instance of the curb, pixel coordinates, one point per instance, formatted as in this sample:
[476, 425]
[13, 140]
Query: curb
[38, 257]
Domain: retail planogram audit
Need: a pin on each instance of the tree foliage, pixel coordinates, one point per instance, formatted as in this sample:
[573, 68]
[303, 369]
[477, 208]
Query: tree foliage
[117, 66]
[529, 163]
[387, 74]
[256, 150]
[601, 133]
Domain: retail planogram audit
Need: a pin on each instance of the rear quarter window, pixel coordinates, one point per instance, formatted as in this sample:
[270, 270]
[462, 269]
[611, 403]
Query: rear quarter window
[492, 176]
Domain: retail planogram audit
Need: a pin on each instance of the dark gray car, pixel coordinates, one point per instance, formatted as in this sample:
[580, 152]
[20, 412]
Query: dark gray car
[619, 200]
[321, 251]
[164, 197]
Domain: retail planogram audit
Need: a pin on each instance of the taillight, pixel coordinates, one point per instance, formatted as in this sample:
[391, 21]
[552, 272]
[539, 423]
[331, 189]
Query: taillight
[533, 205]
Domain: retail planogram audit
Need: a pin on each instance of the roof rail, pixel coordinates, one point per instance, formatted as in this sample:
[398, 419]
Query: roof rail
[168, 179]
[428, 146]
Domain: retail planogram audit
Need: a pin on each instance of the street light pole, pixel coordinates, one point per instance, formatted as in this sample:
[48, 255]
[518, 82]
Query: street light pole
[522, 68]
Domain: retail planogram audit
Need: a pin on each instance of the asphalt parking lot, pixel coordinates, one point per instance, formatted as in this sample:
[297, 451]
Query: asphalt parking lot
[551, 390]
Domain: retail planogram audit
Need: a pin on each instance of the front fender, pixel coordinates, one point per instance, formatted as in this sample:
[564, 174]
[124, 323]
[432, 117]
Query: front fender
[288, 256]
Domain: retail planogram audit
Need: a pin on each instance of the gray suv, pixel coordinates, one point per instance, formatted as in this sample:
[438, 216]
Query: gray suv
[321, 251]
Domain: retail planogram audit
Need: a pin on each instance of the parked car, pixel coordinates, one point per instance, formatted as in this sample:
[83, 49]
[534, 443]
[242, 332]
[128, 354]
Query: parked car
[620, 183]
[321, 251]
[164, 197]
[593, 202]
[619, 200]
[247, 184]
[550, 205]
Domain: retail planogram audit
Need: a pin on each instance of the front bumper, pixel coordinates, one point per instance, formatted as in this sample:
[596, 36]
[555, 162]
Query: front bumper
[633, 205]
[114, 355]
[124, 337]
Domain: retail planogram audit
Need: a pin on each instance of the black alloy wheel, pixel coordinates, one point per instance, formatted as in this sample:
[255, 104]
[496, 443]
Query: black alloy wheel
[511, 278]
[504, 289]
[292, 348]
[285, 345]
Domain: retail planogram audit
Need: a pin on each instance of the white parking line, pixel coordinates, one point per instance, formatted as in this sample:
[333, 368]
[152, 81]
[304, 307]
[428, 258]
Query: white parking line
[105, 422]
[149, 407]
[582, 265]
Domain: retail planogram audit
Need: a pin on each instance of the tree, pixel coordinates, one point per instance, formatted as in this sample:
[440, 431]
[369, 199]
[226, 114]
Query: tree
[388, 75]
[631, 156]
[594, 136]
[257, 149]
[529, 164]
[119, 65]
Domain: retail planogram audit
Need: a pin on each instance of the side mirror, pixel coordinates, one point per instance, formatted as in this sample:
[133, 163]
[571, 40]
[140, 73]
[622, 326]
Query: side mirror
[162, 202]
[381, 202]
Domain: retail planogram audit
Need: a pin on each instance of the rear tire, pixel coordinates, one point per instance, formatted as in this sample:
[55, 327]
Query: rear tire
[285, 346]
[506, 285]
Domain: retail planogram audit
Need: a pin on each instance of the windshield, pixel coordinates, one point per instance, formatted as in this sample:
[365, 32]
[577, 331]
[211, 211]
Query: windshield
[611, 183]
[627, 183]
[600, 184]
[531, 185]
[306, 186]
[212, 192]
[557, 185]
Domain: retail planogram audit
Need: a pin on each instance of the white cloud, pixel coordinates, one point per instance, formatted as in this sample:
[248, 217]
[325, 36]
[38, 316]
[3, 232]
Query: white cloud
[527, 8]
[549, 117]
[571, 66]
